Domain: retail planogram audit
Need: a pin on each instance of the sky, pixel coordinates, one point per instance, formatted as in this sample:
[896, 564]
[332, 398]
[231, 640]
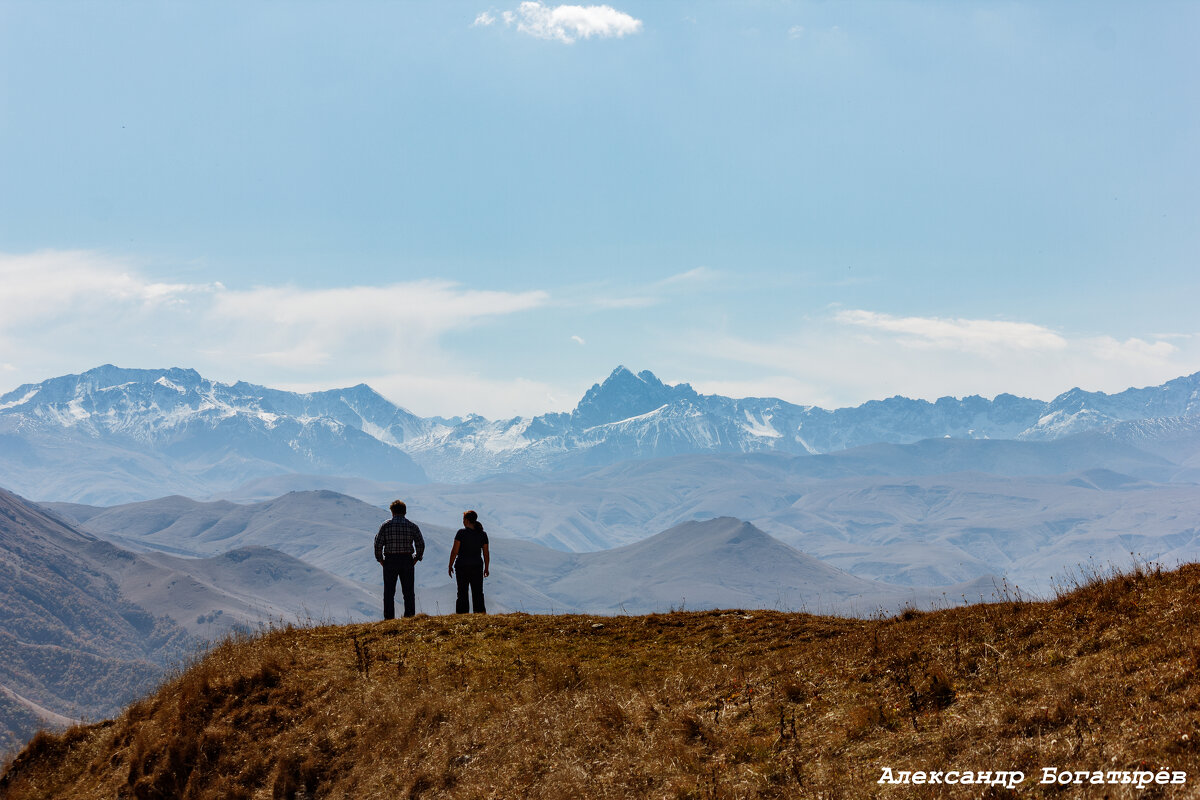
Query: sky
[485, 208]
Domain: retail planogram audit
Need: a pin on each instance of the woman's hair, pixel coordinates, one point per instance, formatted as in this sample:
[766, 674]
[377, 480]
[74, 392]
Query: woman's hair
[470, 516]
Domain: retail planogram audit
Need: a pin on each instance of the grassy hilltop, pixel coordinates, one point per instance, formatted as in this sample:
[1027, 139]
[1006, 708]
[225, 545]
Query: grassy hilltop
[681, 705]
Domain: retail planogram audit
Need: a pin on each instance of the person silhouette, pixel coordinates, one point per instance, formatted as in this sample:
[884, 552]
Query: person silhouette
[398, 546]
[469, 561]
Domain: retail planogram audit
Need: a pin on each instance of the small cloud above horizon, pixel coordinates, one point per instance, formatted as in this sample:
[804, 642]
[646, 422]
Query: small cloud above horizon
[564, 23]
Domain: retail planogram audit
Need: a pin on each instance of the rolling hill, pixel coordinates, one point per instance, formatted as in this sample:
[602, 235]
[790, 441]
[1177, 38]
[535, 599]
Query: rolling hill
[1098, 685]
[705, 564]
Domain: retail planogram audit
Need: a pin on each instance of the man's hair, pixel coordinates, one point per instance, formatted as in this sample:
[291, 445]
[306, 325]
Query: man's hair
[398, 507]
[470, 516]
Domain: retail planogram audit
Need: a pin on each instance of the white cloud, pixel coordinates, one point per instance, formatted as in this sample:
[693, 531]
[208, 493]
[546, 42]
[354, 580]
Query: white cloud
[1132, 351]
[50, 284]
[697, 275]
[69, 311]
[973, 335]
[624, 301]
[795, 32]
[850, 357]
[441, 348]
[608, 298]
[484, 19]
[391, 316]
[568, 23]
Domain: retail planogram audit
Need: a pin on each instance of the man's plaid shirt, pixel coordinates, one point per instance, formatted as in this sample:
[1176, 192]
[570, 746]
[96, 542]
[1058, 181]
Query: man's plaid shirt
[398, 536]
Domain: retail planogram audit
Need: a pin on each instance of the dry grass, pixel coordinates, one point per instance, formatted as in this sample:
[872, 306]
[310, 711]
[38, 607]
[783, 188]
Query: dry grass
[683, 705]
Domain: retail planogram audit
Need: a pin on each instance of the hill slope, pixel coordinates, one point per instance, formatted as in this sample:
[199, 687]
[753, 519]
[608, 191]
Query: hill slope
[683, 705]
[86, 625]
[70, 643]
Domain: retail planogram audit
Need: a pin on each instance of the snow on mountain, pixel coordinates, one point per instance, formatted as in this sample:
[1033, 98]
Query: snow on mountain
[134, 434]
[1077, 410]
[114, 434]
[150, 405]
[637, 416]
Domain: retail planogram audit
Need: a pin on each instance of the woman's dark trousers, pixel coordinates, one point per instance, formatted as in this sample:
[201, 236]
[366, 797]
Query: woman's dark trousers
[469, 577]
[398, 567]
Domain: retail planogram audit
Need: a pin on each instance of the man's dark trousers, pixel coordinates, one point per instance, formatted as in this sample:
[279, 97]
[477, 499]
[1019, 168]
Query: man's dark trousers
[472, 577]
[398, 566]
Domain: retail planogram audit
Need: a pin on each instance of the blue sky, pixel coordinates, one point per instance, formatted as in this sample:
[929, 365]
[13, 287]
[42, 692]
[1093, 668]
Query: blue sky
[486, 207]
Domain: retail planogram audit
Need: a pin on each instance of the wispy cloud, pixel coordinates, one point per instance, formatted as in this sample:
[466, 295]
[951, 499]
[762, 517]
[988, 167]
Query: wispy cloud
[1132, 351]
[565, 23]
[957, 334]
[578, 340]
[306, 328]
[646, 295]
[53, 284]
[66, 311]
[692, 276]
[848, 357]
[615, 302]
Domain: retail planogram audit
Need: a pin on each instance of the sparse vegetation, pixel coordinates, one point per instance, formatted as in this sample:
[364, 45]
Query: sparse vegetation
[683, 705]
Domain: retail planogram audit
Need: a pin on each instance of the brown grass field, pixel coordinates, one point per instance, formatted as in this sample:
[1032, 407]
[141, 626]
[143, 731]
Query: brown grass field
[723, 704]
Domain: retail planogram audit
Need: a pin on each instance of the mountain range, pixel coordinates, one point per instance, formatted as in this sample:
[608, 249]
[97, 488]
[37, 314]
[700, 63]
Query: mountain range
[112, 435]
[186, 508]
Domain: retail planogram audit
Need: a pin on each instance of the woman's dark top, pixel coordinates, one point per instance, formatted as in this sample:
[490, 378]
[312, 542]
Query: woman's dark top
[470, 548]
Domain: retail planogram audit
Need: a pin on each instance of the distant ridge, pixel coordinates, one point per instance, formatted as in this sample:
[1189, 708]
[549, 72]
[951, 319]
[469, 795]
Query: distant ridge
[720, 562]
[136, 434]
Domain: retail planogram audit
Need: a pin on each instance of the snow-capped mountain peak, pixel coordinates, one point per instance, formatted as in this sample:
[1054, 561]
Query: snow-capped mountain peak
[624, 395]
[216, 432]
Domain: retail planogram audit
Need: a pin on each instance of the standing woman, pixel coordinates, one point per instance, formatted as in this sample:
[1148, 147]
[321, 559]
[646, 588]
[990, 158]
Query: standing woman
[470, 559]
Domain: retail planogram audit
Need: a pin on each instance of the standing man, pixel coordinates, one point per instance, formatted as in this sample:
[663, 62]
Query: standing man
[398, 546]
